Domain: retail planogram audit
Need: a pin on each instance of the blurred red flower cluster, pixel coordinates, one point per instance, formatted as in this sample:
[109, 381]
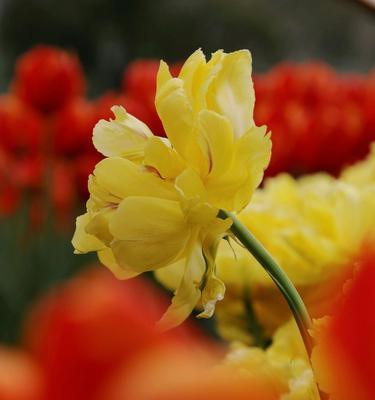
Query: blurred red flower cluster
[94, 338]
[320, 120]
[45, 129]
[46, 125]
[91, 336]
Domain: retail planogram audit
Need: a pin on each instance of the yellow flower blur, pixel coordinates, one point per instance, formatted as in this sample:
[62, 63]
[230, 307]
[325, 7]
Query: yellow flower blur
[284, 364]
[314, 227]
[154, 201]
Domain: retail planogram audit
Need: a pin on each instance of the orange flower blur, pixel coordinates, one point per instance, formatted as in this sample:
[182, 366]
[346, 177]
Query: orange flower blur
[344, 359]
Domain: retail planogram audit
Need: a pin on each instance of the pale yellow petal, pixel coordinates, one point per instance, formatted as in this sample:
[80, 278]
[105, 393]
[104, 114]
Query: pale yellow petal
[188, 293]
[122, 178]
[99, 196]
[98, 225]
[213, 292]
[176, 114]
[191, 72]
[82, 241]
[107, 258]
[232, 93]
[125, 136]
[149, 233]
[233, 189]
[197, 210]
[163, 75]
[216, 136]
[163, 158]
[171, 275]
[190, 185]
[206, 78]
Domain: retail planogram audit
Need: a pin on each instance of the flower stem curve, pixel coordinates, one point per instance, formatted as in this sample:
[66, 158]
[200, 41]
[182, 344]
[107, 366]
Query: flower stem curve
[277, 274]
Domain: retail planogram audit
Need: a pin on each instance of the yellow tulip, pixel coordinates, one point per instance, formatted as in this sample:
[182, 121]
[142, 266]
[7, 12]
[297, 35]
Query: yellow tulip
[313, 226]
[154, 201]
[207, 112]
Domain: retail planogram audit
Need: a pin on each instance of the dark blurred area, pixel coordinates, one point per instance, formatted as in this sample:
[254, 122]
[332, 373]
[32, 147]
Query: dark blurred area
[107, 34]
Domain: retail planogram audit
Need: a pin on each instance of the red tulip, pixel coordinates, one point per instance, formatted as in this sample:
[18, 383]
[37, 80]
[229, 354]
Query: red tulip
[181, 373]
[89, 328]
[47, 77]
[132, 105]
[72, 127]
[21, 128]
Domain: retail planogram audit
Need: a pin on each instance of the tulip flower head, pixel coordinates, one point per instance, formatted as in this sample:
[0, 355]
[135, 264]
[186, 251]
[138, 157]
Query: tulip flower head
[154, 202]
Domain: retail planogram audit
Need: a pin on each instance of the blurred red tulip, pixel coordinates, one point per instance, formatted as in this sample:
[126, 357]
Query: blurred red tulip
[132, 105]
[20, 377]
[27, 172]
[10, 198]
[345, 356]
[84, 165]
[63, 192]
[72, 128]
[21, 128]
[319, 119]
[87, 329]
[181, 373]
[47, 77]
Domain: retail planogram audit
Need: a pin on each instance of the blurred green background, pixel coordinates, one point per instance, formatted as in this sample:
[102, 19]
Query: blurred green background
[107, 34]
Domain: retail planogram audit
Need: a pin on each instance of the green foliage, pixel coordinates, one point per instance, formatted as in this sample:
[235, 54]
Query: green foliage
[31, 261]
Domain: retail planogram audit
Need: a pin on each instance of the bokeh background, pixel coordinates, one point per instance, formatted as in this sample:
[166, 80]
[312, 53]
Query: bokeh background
[108, 34]
[314, 78]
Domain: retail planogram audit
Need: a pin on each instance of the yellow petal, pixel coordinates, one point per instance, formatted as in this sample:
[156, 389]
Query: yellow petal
[82, 241]
[193, 199]
[149, 233]
[171, 275]
[213, 292]
[125, 136]
[190, 186]
[232, 93]
[163, 158]
[99, 196]
[98, 225]
[217, 135]
[107, 258]
[122, 178]
[233, 189]
[163, 75]
[203, 84]
[176, 114]
[192, 73]
[188, 294]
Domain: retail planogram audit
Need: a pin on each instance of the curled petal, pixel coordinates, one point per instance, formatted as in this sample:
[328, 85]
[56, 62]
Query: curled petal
[175, 112]
[125, 136]
[163, 158]
[122, 178]
[82, 241]
[217, 139]
[231, 92]
[188, 293]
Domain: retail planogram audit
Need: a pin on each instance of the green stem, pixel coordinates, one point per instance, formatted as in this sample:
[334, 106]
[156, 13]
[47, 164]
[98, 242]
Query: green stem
[280, 278]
